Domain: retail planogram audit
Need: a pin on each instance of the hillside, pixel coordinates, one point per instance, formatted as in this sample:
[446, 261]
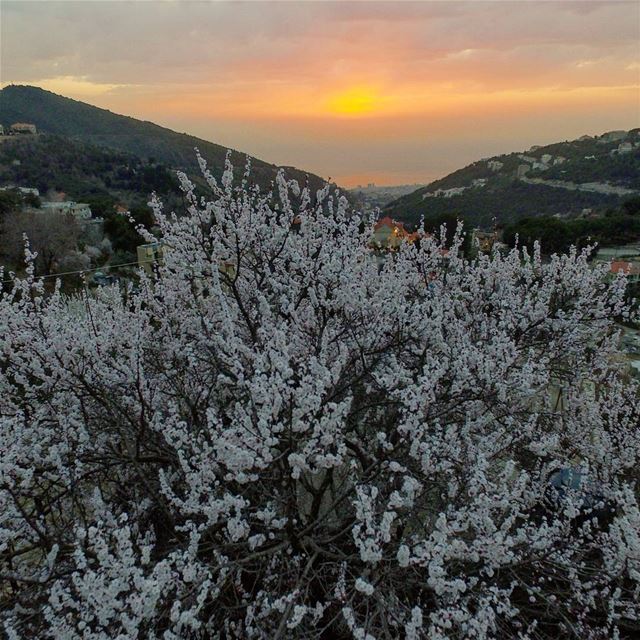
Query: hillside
[55, 163]
[559, 179]
[55, 114]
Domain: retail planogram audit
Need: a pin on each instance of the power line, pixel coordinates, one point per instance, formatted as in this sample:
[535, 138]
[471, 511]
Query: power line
[69, 273]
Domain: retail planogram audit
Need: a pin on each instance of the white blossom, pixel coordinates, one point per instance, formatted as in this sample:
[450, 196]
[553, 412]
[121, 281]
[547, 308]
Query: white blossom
[277, 436]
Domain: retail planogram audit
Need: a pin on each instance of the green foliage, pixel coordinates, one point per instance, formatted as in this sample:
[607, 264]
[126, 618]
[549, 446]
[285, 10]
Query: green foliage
[507, 201]
[506, 198]
[32, 200]
[10, 201]
[433, 225]
[632, 206]
[122, 231]
[82, 171]
[557, 236]
[101, 205]
[56, 114]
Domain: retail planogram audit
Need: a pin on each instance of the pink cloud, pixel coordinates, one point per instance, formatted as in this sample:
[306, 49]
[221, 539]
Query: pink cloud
[237, 71]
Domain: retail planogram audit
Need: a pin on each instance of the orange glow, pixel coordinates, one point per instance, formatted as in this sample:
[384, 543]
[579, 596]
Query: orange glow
[386, 92]
[355, 101]
[74, 86]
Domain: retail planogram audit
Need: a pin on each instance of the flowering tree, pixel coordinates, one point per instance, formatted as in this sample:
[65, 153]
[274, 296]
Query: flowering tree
[278, 437]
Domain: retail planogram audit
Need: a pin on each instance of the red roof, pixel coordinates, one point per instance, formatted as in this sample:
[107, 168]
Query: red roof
[627, 268]
[388, 222]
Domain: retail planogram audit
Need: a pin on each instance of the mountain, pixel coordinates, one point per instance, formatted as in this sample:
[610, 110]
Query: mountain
[51, 162]
[55, 114]
[561, 179]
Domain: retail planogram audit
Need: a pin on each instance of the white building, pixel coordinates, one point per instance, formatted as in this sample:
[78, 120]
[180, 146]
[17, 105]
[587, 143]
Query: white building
[79, 210]
[444, 193]
[23, 127]
[612, 136]
[23, 190]
[625, 147]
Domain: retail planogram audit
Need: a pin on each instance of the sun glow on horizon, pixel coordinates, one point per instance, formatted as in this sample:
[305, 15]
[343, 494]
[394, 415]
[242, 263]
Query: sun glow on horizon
[355, 101]
[386, 92]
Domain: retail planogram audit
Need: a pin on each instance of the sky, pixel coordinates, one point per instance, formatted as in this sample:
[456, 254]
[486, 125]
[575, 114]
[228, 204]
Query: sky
[385, 92]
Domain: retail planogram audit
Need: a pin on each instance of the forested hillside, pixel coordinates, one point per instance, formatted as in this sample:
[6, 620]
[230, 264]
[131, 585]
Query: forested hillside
[561, 179]
[56, 114]
[557, 236]
[80, 170]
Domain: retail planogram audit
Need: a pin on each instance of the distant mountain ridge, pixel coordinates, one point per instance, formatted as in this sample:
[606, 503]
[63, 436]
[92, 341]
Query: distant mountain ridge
[56, 114]
[563, 179]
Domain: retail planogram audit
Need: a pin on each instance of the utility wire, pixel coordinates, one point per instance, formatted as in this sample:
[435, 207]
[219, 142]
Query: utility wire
[69, 273]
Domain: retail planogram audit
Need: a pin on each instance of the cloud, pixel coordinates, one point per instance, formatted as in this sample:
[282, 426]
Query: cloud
[176, 41]
[248, 66]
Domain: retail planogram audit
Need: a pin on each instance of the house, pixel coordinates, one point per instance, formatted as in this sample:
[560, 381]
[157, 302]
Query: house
[23, 127]
[150, 254]
[449, 193]
[628, 253]
[23, 190]
[625, 147]
[630, 269]
[484, 240]
[389, 234]
[79, 210]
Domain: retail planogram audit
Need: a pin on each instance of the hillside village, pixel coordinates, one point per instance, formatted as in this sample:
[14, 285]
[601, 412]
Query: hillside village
[566, 180]
[539, 162]
[97, 238]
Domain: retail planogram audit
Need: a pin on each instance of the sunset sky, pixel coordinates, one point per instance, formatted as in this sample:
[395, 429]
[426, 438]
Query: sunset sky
[385, 92]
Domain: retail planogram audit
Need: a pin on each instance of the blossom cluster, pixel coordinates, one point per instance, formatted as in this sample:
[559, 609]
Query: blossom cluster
[280, 435]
